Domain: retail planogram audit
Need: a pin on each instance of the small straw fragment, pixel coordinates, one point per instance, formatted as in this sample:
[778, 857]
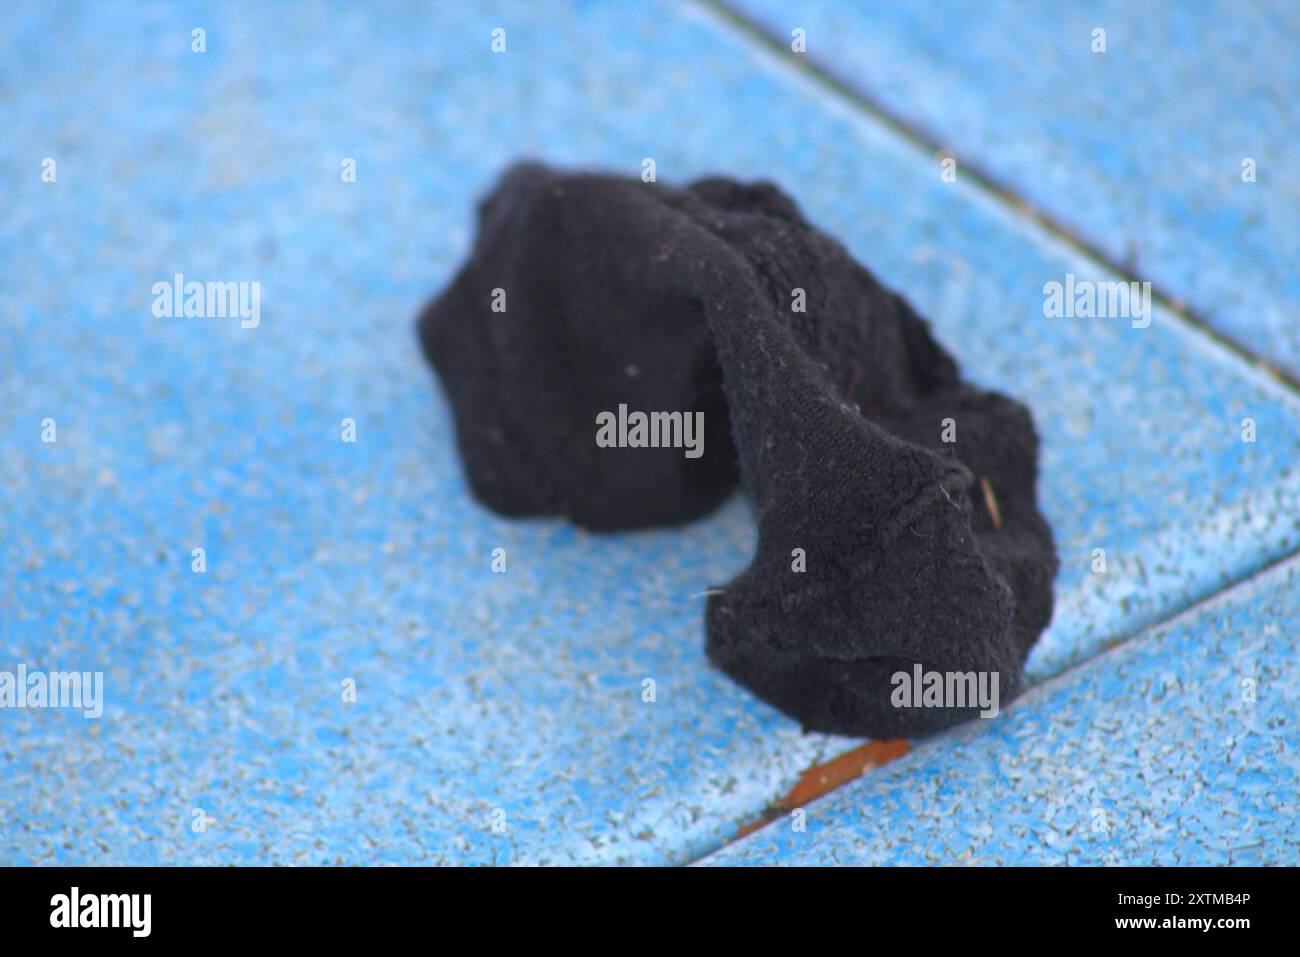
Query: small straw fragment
[991, 503]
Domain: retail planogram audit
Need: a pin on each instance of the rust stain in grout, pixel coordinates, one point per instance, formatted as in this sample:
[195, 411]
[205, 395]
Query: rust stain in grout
[823, 778]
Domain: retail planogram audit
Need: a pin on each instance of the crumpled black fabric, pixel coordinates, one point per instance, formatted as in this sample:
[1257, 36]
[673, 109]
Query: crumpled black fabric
[917, 551]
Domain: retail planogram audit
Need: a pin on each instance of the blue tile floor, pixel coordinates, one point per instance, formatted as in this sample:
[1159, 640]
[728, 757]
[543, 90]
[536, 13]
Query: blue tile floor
[501, 718]
[1176, 748]
[1166, 141]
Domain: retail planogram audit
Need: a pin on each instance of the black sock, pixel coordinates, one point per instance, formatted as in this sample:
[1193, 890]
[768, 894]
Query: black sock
[896, 504]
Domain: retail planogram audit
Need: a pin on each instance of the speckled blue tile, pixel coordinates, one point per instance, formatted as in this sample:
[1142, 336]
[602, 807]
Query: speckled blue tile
[1138, 149]
[1179, 748]
[498, 717]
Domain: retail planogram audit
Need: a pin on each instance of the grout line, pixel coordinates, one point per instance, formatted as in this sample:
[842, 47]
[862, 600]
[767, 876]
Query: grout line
[1122, 640]
[919, 138]
[988, 182]
[1194, 606]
